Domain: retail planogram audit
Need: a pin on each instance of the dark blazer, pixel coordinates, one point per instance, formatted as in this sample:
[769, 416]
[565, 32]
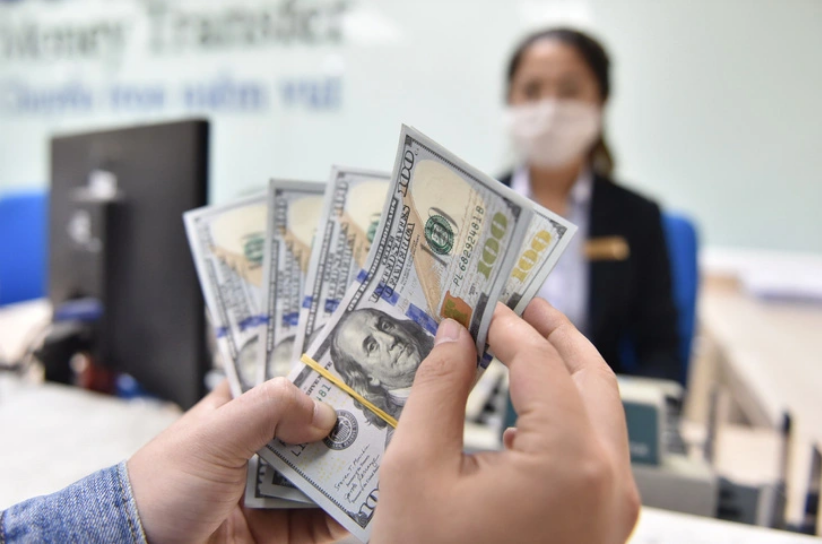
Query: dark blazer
[630, 301]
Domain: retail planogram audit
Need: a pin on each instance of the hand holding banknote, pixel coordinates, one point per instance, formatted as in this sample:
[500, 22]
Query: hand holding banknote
[564, 477]
[450, 242]
[565, 474]
[188, 482]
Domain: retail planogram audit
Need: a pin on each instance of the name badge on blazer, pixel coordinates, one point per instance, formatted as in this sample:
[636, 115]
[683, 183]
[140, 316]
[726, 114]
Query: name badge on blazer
[607, 248]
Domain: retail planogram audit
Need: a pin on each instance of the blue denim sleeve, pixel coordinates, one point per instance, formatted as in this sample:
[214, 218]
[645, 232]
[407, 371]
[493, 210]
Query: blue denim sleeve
[98, 508]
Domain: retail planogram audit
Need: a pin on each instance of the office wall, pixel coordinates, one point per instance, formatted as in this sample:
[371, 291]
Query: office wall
[715, 109]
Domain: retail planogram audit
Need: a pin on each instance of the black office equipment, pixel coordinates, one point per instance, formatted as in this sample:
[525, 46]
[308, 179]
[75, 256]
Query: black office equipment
[118, 244]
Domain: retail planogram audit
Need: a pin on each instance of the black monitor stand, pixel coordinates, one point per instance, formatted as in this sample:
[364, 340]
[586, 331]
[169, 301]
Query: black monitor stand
[78, 331]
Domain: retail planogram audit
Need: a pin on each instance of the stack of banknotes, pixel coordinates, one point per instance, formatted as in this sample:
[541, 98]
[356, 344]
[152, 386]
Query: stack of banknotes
[354, 275]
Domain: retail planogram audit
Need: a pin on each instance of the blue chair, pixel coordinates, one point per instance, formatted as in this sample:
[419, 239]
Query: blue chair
[23, 245]
[681, 237]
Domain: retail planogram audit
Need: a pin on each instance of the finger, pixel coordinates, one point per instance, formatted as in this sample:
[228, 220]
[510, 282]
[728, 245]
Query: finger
[537, 376]
[508, 437]
[278, 408]
[219, 396]
[592, 376]
[432, 422]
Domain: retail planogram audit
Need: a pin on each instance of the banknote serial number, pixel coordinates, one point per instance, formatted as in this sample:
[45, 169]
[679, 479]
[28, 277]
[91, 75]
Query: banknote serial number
[471, 240]
[324, 390]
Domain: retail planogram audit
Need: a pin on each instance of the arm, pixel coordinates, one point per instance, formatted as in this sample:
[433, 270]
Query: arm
[98, 508]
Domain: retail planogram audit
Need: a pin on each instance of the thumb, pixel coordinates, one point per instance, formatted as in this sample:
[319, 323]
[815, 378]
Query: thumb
[432, 422]
[276, 408]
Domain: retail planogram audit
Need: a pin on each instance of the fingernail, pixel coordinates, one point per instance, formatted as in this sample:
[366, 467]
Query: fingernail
[324, 415]
[449, 331]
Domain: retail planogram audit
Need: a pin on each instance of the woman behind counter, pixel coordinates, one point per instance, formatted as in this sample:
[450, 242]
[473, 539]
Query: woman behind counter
[614, 281]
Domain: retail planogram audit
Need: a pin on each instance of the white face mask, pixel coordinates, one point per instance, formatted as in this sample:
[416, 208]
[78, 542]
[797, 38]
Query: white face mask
[551, 133]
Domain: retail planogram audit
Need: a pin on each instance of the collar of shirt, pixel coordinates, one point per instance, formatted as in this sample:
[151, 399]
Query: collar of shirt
[580, 194]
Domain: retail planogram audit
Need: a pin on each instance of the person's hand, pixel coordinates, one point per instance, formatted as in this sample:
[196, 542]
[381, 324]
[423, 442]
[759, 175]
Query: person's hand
[564, 476]
[189, 481]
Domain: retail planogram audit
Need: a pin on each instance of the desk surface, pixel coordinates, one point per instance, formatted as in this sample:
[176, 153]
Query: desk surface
[770, 359]
[18, 324]
[663, 527]
[54, 435]
[773, 348]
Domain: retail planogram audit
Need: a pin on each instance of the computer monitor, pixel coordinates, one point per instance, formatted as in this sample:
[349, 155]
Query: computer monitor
[117, 238]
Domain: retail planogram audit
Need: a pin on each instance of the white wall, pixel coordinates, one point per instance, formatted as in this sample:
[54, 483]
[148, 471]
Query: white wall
[719, 113]
[715, 109]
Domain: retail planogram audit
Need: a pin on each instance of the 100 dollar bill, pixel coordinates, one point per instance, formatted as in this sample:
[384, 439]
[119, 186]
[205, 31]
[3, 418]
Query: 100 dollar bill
[354, 199]
[351, 211]
[261, 491]
[547, 237]
[294, 211]
[442, 250]
[227, 243]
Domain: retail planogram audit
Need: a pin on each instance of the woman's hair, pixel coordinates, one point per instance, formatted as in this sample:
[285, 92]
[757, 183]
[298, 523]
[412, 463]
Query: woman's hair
[595, 56]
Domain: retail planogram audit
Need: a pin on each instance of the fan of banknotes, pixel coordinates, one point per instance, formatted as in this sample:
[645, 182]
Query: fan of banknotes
[340, 287]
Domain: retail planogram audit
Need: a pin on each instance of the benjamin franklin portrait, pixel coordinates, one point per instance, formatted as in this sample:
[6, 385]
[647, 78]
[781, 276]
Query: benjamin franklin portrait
[378, 356]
